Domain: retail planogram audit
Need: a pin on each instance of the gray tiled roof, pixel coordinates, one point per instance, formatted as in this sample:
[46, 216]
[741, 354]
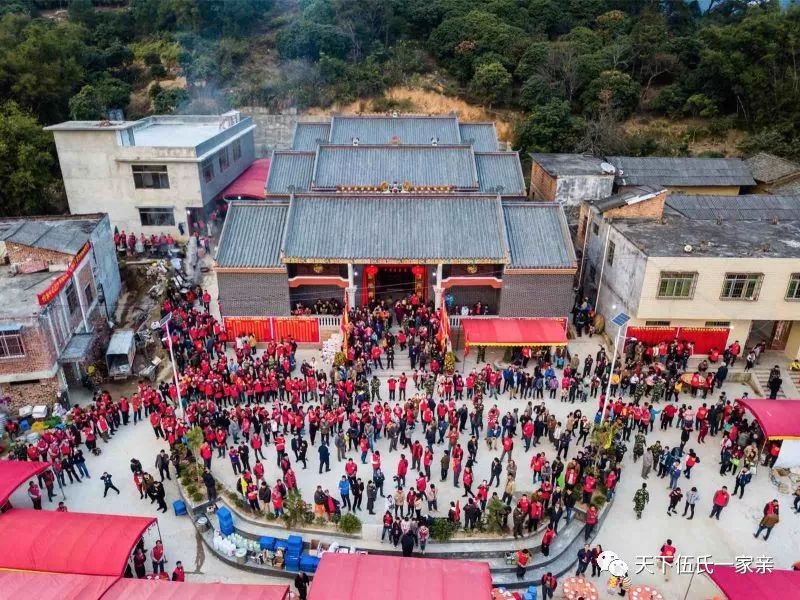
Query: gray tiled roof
[252, 235]
[307, 136]
[63, 235]
[482, 136]
[396, 227]
[769, 168]
[290, 172]
[692, 172]
[371, 165]
[559, 165]
[500, 173]
[380, 129]
[750, 207]
[538, 236]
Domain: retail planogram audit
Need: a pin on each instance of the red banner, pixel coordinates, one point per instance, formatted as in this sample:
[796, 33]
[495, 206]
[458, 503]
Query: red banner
[651, 336]
[267, 329]
[704, 338]
[47, 296]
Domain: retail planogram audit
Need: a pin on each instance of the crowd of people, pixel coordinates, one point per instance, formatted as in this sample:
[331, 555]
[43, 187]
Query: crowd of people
[255, 406]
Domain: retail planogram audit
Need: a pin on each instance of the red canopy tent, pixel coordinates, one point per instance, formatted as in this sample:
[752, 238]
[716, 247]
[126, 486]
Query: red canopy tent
[79, 543]
[61, 586]
[13, 473]
[779, 419]
[764, 586]
[142, 589]
[359, 576]
[54, 586]
[514, 332]
[251, 184]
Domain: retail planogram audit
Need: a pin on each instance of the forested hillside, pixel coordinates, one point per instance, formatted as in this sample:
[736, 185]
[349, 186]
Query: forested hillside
[576, 71]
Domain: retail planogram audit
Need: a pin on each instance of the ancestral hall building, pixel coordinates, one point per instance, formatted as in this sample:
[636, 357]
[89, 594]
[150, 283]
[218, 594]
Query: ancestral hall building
[383, 206]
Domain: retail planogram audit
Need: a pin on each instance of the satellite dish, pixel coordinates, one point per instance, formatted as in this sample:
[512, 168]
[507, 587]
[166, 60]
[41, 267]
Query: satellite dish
[608, 168]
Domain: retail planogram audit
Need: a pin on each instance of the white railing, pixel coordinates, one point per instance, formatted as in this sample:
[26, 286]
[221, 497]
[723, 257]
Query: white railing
[455, 320]
[329, 320]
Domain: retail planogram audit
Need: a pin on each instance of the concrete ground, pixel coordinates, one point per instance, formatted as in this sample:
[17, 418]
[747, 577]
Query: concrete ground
[723, 540]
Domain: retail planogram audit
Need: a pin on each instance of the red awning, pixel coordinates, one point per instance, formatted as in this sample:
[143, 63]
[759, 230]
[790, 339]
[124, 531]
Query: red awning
[360, 576]
[779, 419]
[514, 332]
[141, 589]
[80, 543]
[14, 473]
[251, 184]
[54, 586]
[764, 586]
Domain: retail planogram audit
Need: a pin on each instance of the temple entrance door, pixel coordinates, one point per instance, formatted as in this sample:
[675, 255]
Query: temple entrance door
[774, 333]
[394, 282]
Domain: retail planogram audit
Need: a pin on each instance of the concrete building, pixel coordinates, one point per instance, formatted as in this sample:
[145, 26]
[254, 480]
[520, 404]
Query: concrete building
[158, 174]
[570, 178]
[708, 269]
[381, 207]
[58, 288]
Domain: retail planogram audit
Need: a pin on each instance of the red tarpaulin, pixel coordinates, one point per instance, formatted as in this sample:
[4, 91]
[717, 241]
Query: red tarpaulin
[80, 543]
[14, 473]
[704, 338]
[779, 419]
[361, 576]
[251, 184]
[650, 336]
[141, 589]
[764, 586]
[54, 586]
[514, 332]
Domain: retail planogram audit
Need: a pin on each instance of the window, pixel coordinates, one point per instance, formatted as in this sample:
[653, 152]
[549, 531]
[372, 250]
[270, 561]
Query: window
[741, 286]
[656, 323]
[718, 323]
[157, 217]
[592, 273]
[88, 293]
[208, 170]
[610, 253]
[150, 177]
[793, 291]
[224, 162]
[237, 150]
[595, 229]
[676, 285]
[72, 298]
[11, 344]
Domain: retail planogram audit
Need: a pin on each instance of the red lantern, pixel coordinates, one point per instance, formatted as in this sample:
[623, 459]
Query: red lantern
[371, 271]
[418, 271]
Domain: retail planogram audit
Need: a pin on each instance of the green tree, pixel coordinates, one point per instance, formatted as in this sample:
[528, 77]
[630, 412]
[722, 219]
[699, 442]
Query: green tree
[86, 105]
[169, 100]
[27, 181]
[614, 89]
[491, 83]
[548, 128]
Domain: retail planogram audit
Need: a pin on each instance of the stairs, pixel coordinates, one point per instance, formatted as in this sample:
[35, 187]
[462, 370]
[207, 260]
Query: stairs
[761, 379]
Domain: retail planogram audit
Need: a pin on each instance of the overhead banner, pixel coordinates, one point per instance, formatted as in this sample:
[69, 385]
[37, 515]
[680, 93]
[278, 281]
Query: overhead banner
[47, 296]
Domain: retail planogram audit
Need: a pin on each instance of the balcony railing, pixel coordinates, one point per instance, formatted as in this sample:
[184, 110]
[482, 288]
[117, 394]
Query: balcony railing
[328, 320]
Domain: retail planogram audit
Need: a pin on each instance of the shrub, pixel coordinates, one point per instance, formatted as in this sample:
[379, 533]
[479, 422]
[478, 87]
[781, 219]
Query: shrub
[443, 529]
[349, 523]
[191, 489]
[296, 510]
[450, 362]
[198, 497]
[322, 521]
[495, 516]
[599, 500]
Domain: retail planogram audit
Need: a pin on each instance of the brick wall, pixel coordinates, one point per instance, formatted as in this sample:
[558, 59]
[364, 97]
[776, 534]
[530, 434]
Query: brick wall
[39, 356]
[652, 208]
[18, 253]
[543, 185]
[539, 295]
[253, 294]
[34, 393]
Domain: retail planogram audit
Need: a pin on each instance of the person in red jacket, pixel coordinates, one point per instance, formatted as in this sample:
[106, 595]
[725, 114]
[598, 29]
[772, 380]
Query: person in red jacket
[549, 585]
[508, 446]
[721, 498]
[591, 522]
[179, 574]
[527, 434]
[667, 558]
[547, 539]
[155, 421]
